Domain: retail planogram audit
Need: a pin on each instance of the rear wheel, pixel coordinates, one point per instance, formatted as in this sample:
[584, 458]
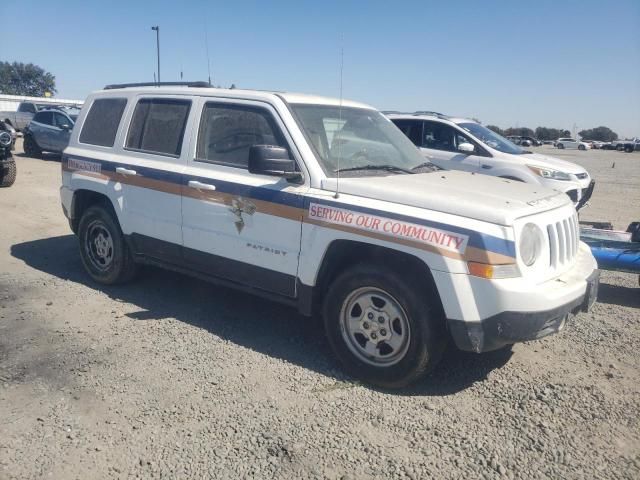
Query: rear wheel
[382, 328]
[581, 147]
[31, 148]
[9, 176]
[560, 146]
[103, 250]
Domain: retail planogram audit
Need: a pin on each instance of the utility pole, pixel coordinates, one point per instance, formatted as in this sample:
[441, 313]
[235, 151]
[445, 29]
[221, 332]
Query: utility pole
[157, 29]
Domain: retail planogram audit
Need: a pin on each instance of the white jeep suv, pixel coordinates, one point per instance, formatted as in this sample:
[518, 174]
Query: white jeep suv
[275, 194]
[462, 144]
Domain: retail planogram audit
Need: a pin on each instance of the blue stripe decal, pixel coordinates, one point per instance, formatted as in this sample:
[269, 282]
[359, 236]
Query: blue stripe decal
[476, 239]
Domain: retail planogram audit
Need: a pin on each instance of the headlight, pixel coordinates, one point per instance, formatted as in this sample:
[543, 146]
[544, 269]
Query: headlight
[531, 241]
[548, 173]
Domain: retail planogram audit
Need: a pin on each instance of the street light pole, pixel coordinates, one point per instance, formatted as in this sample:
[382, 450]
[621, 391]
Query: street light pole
[157, 29]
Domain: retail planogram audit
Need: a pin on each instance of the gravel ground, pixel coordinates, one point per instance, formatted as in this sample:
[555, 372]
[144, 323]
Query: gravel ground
[171, 377]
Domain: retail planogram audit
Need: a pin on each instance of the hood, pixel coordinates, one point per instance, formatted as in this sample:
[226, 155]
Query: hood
[480, 197]
[551, 162]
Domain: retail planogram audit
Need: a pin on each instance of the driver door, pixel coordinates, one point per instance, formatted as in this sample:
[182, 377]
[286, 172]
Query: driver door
[440, 145]
[61, 132]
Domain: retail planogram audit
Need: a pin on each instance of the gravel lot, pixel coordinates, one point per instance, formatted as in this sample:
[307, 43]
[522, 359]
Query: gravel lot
[171, 377]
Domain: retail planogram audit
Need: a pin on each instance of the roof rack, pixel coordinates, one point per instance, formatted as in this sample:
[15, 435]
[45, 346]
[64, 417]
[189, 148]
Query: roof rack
[428, 112]
[158, 84]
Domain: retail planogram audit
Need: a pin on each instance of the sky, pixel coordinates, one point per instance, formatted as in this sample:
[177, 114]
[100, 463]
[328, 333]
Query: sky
[563, 64]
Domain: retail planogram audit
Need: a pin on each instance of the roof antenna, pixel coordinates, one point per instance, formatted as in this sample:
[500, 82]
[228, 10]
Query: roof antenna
[206, 44]
[337, 194]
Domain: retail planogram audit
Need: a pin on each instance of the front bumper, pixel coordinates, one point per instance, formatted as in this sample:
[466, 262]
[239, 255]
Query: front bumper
[507, 328]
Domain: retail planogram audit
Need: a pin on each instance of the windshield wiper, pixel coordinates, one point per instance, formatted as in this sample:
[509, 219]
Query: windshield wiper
[431, 165]
[387, 168]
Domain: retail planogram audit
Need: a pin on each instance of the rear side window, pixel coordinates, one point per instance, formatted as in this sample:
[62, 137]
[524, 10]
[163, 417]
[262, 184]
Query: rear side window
[101, 125]
[412, 129]
[158, 126]
[227, 132]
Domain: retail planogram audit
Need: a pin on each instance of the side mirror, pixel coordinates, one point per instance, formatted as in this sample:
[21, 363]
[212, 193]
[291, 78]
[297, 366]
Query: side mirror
[272, 160]
[466, 147]
[65, 127]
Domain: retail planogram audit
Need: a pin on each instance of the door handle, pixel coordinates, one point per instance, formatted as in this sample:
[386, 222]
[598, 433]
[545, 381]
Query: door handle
[200, 186]
[125, 171]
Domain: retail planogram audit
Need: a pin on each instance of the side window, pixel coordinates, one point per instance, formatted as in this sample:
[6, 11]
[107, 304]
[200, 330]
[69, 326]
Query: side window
[27, 107]
[46, 118]
[412, 129]
[60, 120]
[438, 136]
[158, 126]
[227, 132]
[101, 125]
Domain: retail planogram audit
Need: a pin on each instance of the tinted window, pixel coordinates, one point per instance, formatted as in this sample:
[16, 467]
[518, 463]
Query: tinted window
[227, 132]
[27, 107]
[158, 126]
[411, 128]
[45, 118]
[60, 120]
[101, 125]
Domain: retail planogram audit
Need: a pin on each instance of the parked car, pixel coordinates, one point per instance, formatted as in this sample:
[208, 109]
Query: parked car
[48, 131]
[247, 189]
[522, 141]
[626, 145]
[534, 141]
[462, 144]
[571, 143]
[7, 162]
[26, 110]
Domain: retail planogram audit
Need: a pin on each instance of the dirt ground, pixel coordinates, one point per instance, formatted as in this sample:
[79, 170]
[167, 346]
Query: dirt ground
[170, 377]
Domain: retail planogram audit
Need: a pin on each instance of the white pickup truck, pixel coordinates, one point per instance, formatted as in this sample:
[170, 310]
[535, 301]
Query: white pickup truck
[324, 205]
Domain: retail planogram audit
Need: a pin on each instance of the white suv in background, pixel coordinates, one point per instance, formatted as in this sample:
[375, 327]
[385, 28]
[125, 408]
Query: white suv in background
[462, 144]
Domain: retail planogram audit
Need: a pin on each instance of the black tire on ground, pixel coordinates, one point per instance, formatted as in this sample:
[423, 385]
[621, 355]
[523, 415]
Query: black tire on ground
[628, 148]
[103, 249]
[427, 337]
[560, 146]
[9, 176]
[581, 147]
[31, 148]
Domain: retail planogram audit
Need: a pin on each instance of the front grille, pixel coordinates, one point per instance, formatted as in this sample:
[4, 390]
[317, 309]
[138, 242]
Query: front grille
[564, 237]
[582, 176]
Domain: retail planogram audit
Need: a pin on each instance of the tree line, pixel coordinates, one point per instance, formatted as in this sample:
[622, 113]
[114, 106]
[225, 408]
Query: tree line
[602, 134]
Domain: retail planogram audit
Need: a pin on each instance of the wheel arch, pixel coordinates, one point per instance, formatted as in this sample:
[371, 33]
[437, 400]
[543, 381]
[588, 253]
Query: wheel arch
[84, 198]
[342, 254]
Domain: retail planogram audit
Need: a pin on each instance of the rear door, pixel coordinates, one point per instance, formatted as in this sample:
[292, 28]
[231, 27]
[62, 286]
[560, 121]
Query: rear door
[440, 145]
[236, 225]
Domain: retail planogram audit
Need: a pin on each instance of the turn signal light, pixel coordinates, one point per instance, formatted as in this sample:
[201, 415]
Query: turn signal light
[484, 270]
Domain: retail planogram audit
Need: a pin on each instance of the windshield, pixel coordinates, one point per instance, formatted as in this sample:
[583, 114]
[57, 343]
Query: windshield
[348, 138]
[491, 138]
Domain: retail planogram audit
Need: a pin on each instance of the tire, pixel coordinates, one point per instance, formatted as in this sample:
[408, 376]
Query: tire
[581, 147]
[103, 250]
[387, 305]
[628, 148]
[31, 148]
[560, 146]
[9, 176]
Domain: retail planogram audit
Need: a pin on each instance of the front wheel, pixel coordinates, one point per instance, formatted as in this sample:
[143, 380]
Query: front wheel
[103, 250]
[581, 147]
[560, 146]
[382, 328]
[31, 148]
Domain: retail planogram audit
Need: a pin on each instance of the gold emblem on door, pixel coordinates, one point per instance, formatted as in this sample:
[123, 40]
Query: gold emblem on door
[239, 206]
